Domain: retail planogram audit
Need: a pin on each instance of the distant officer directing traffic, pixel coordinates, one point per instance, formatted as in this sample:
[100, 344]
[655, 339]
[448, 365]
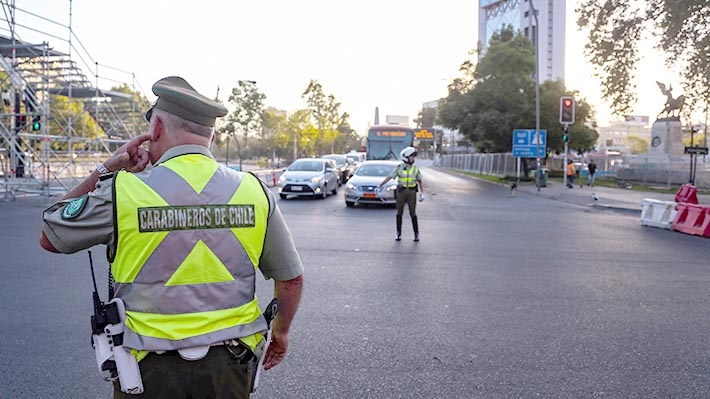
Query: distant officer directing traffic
[409, 181]
[185, 237]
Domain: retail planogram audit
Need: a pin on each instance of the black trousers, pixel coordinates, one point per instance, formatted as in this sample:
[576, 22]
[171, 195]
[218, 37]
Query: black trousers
[216, 376]
[409, 197]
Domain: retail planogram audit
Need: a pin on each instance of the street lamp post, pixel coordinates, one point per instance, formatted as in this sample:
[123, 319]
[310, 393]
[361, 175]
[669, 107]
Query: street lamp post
[533, 13]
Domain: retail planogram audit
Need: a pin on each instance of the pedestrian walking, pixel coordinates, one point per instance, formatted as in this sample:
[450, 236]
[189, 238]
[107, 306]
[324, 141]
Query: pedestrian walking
[185, 237]
[571, 173]
[409, 182]
[592, 169]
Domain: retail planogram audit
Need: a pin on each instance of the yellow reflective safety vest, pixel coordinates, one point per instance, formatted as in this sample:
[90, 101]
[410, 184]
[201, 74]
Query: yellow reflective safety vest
[407, 177]
[189, 235]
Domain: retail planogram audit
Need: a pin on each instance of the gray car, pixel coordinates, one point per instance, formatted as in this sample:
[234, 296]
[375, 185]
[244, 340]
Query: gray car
[362, 186]
[314, 177]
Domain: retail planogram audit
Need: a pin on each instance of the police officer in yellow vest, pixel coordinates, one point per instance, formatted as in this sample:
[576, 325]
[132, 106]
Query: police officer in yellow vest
[185, 237]
[409, 181]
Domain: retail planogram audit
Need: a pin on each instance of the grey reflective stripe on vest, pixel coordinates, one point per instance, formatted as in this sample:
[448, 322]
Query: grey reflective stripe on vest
[147, 293]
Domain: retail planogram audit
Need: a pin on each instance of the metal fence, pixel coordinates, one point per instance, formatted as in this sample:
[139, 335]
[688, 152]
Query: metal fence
[628, 169]
[485, 164]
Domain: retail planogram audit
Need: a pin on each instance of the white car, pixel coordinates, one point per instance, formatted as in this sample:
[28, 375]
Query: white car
[362, 186]
[314, 177]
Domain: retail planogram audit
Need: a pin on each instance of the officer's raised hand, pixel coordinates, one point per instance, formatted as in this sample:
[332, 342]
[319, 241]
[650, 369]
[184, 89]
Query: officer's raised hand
[130, 156]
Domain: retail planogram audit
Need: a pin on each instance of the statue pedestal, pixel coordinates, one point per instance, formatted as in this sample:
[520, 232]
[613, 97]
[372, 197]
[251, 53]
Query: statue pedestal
[666, 138]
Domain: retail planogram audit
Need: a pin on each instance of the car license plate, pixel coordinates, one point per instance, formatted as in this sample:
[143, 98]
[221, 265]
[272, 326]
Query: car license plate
[369, 195]
[296, 188]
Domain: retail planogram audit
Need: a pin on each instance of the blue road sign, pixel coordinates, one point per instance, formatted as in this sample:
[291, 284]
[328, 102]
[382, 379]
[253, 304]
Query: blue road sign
[525, 143]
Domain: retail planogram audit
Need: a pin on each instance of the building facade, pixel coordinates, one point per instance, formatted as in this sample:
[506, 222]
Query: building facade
[549, 24]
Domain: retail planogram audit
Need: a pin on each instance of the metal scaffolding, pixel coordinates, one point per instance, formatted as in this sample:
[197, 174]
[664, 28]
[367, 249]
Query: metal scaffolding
[55, 125]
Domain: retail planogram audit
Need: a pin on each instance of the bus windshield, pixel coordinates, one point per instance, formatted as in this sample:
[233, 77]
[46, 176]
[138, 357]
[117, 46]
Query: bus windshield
[386, 142]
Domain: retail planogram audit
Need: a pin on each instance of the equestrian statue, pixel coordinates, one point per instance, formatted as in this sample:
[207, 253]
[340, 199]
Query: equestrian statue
[672, 104]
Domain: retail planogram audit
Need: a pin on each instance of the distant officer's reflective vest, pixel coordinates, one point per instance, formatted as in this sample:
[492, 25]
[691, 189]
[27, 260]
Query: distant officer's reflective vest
[408, 177]
[189, 233]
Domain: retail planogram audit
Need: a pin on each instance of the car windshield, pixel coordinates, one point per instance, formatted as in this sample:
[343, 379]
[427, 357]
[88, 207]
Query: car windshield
[375, 170]
[306, 166]
[340, 160]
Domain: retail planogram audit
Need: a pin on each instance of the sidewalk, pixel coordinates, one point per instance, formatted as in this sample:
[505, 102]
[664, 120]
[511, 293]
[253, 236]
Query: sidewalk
[608, 197]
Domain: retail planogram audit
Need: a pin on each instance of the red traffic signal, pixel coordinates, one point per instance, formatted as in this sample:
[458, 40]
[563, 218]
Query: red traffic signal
[567, 110]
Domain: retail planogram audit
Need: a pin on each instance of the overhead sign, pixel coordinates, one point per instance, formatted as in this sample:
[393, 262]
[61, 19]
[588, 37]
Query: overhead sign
[424, 134]
[526, 143]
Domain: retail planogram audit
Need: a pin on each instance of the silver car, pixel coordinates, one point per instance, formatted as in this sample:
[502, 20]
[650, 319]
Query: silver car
[362, 186]
[314, 177]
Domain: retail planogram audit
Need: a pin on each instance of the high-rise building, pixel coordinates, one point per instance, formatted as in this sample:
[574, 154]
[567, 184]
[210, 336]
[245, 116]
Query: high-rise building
[495, 14]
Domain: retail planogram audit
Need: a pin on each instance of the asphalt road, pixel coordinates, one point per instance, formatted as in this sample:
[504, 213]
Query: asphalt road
[505, 297]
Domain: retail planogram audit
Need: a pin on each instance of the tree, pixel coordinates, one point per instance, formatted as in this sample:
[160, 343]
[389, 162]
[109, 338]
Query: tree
[637, 145]
[133, 109]
[581, 137]
[247, 115]
[426, 118]
[497, 96]
[325, 111]
[492, 99]
[615, 28]
[273, 121]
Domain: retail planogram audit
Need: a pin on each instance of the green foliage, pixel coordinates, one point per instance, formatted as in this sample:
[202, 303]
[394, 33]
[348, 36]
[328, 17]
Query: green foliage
[426, 118]
[326, 112]
[615, 28]
[496, 97]
[581, 137]
[247, 116]
[637, 145]
[487, 103]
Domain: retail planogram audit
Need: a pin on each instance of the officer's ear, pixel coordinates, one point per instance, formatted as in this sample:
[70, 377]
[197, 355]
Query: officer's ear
[157, 130]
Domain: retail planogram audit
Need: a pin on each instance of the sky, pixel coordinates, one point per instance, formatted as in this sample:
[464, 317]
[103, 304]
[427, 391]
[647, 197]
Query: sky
[391, 54]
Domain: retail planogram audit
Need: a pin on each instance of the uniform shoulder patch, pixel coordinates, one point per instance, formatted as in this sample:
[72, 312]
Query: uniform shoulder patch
[74, 208]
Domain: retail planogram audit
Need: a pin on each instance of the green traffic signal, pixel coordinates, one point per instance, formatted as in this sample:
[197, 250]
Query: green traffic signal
[36, 125]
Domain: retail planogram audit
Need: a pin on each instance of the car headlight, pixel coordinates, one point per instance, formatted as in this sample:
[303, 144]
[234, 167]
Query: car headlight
[282, 179]
[316, 179]
[351, 186]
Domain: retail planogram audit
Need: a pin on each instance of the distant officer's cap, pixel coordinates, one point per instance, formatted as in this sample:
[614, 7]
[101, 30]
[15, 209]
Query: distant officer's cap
[177, 97]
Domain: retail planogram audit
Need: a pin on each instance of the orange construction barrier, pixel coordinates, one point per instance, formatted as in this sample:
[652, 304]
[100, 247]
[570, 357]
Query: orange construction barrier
[687, 193]
[692, 219]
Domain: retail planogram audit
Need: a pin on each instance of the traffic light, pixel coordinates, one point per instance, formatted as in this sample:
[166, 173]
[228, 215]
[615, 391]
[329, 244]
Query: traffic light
[566, 110]
[565, 135]
[20, 122]
[36, 123]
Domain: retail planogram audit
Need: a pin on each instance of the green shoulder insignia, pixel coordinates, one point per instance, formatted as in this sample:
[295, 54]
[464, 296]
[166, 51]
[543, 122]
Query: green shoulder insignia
[74, 208]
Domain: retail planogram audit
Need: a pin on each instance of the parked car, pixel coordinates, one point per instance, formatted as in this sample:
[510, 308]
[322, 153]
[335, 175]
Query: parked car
[343, 164]
[362, 186]
[313, 177]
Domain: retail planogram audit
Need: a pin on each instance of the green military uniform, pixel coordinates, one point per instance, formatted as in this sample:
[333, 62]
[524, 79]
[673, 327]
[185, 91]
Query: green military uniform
[407, 177]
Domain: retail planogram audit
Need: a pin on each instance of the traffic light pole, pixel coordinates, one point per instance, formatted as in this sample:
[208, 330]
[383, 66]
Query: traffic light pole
[564, 166]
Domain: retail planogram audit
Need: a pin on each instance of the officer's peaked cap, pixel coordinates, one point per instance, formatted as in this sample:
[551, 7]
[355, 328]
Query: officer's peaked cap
[178, 97]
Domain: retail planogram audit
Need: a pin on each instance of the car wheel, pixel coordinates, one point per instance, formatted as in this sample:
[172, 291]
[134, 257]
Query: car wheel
[283, 196]
[324, 191]
[335, 189]
[349, 204]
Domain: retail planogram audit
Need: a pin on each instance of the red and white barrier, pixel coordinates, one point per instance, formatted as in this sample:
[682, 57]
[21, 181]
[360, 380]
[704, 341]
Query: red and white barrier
[692, 219]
